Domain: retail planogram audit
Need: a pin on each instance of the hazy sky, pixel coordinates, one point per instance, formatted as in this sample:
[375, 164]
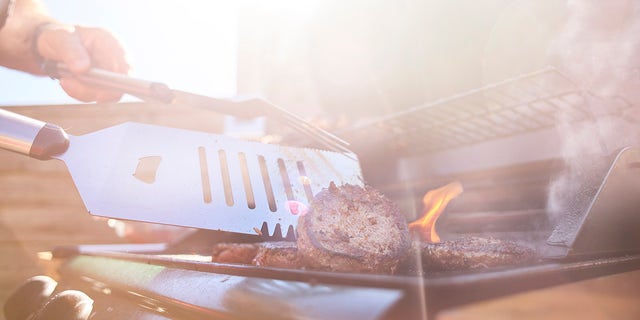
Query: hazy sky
[189, 45]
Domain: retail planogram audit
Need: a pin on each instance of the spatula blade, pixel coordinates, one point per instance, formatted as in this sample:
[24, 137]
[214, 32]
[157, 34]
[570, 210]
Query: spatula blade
[179, 177]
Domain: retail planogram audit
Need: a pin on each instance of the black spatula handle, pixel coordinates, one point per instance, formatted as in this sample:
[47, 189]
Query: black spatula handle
[31, 137]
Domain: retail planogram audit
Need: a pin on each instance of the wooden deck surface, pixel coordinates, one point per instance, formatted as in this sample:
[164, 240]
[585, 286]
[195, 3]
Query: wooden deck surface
[40, 209]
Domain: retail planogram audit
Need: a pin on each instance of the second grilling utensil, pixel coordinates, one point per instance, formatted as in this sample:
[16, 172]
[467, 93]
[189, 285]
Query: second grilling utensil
[179, 177]
[160, 92]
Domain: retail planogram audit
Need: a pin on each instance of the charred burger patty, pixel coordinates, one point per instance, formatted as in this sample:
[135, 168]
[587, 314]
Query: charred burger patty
[470, 253]
[279, 254]
[353, 229]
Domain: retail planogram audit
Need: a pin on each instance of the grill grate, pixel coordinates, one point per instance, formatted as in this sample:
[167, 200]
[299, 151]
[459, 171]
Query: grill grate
[515, 106]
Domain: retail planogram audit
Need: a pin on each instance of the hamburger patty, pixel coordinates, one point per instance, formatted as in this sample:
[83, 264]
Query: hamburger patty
[353, 229]
[234, 252]
[470, 253]
[280, 254]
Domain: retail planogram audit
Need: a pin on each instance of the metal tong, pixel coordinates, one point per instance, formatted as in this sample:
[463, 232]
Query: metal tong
[159, 92]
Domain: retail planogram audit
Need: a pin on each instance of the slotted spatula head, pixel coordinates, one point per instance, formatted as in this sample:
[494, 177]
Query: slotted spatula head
[172, 176]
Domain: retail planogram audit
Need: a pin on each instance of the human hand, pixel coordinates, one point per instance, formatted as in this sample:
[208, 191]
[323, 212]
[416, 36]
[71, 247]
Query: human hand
[81, 48]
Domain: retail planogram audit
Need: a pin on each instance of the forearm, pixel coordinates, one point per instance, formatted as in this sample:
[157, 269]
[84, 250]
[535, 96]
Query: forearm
[16, 37]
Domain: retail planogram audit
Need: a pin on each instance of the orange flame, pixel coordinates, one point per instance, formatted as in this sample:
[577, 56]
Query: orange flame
[435, 201]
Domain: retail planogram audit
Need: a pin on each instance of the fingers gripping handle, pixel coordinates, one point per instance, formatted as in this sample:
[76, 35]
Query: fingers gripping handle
[31, 137]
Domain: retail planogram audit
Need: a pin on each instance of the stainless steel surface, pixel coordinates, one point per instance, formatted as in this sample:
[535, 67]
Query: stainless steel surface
[608, 220]
[171, 176]
[187, 178]
[18, 132]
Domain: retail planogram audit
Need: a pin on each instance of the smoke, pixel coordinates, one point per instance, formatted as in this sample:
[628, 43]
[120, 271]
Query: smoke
[599, 46]
[599, 49]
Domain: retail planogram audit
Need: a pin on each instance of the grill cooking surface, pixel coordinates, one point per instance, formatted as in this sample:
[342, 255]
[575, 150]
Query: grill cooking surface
[160, 279]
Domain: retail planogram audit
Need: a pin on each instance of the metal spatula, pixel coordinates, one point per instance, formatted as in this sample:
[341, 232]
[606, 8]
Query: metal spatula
[172, 176]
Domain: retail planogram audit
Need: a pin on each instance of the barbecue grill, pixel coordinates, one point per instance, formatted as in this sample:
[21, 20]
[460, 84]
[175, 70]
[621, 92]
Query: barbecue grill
[500, 141]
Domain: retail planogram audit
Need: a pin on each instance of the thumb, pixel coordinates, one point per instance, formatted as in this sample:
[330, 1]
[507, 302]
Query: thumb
[60, 43]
